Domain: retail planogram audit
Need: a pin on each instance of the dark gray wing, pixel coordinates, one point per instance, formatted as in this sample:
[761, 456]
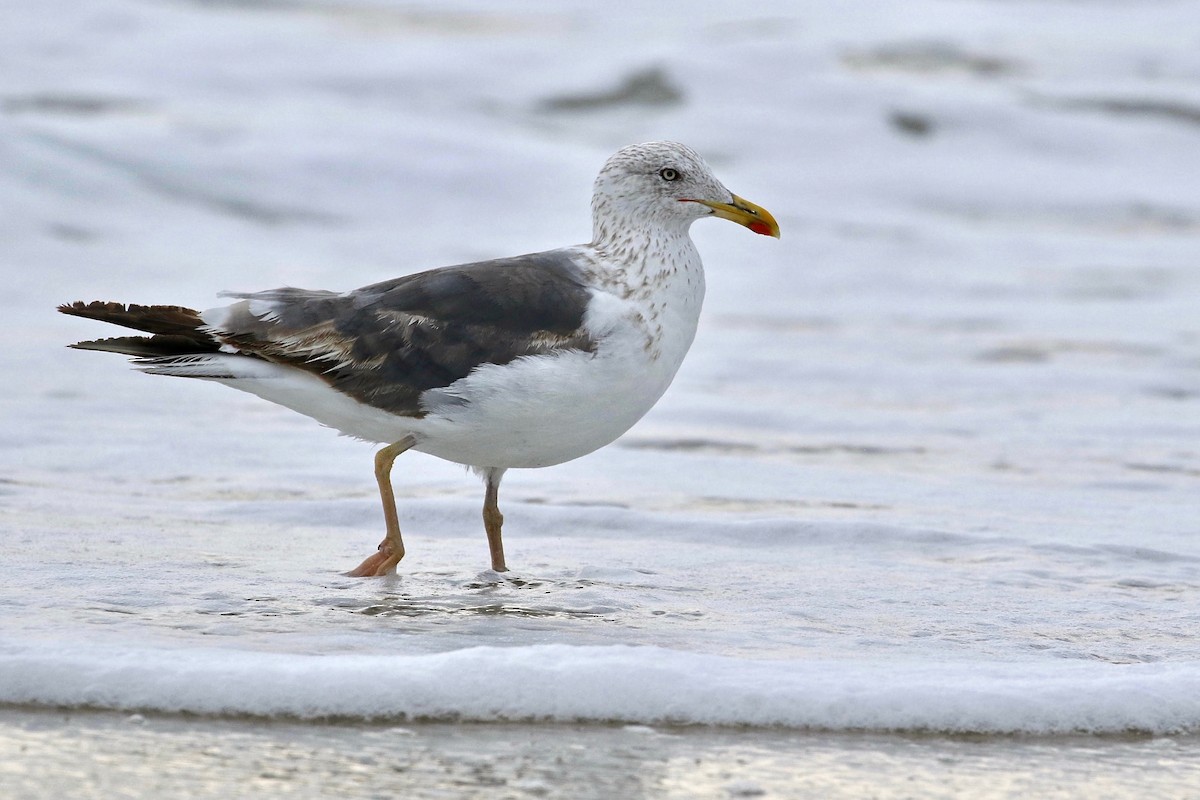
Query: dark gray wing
[387, 343]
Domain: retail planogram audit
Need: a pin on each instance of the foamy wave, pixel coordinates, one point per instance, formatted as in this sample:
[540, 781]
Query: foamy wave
[614, 683]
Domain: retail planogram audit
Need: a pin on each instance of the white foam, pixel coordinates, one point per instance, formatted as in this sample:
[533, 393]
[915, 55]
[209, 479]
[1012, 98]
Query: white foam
[636, 685]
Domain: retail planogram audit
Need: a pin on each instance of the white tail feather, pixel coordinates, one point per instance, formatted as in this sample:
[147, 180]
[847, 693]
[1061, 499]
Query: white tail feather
[213, 366]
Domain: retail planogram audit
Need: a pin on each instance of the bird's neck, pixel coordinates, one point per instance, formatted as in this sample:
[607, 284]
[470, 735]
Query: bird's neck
[656, 271]
[649, 254]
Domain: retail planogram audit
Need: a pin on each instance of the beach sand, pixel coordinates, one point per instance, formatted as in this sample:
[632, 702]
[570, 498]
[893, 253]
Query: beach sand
[78, 754]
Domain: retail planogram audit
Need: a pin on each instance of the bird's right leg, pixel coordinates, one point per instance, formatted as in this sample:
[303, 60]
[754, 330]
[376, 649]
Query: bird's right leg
[391, 549]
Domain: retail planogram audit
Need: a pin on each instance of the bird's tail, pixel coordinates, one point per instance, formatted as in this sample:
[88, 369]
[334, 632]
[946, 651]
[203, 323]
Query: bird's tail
[175, 331]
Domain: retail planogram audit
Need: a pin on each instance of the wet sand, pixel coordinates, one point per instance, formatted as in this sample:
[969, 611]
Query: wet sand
[112, 755]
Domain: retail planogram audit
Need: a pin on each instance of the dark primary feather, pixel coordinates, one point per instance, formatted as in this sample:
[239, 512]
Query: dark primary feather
[387, 343]
[173, 320]
[177, 330]
[157, 346]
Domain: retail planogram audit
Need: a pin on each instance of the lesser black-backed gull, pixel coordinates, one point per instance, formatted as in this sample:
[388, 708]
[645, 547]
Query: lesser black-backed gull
[526, 361]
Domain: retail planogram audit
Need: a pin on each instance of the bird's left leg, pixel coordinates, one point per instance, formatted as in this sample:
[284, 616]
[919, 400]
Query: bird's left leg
[391, 549]
[492, 518]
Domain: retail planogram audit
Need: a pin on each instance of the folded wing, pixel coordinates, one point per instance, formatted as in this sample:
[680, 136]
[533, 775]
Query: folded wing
[383, 344]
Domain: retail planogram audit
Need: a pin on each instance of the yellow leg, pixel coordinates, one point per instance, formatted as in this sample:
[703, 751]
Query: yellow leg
[391, 549]
[493, 520]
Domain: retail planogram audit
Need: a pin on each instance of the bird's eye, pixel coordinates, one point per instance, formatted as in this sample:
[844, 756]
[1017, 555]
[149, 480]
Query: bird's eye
[668, 174]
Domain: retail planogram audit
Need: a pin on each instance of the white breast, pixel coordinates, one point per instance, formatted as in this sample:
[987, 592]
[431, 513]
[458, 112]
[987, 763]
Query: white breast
[544, 410]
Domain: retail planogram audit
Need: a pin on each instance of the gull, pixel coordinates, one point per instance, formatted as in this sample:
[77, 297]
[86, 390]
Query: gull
[527, 361]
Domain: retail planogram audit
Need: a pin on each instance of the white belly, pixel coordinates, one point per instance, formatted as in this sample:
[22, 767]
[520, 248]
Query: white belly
[540, 411]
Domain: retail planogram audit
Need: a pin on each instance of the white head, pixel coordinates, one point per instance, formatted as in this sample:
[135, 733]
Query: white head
[662, 187]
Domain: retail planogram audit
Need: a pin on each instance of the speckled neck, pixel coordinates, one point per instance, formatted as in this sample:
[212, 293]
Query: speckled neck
[651, 251]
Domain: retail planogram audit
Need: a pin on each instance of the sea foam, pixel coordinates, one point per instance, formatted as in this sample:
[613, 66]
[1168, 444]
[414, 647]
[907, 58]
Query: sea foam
[645, 685]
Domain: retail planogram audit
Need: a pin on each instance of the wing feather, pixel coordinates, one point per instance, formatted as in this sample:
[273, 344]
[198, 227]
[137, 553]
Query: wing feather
[387, 343]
